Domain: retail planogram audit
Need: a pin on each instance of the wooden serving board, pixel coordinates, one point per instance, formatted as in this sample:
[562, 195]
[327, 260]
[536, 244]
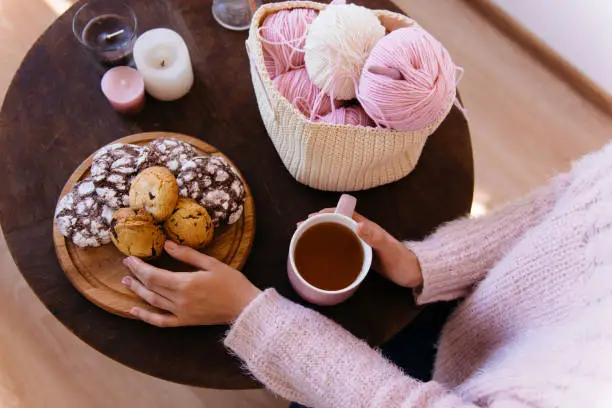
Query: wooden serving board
[96, 272]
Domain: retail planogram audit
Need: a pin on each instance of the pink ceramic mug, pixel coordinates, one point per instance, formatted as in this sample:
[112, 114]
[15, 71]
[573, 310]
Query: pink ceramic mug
[343, 216]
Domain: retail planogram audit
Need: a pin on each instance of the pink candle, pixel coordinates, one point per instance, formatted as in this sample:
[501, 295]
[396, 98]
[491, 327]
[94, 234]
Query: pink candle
[124, 88]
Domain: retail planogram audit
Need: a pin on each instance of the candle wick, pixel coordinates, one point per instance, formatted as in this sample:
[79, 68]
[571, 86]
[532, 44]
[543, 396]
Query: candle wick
[163, 63]
[113, 35]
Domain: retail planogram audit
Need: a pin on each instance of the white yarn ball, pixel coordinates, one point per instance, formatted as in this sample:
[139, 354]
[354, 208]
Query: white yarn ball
[339, 41]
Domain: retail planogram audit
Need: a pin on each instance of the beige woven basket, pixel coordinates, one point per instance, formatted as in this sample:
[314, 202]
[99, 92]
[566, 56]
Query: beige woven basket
[326, 156]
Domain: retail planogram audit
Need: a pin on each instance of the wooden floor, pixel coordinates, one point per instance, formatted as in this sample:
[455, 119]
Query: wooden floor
[526, 125]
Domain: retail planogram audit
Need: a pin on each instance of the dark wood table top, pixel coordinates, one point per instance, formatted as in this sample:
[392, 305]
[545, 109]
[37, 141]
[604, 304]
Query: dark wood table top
[54, 116]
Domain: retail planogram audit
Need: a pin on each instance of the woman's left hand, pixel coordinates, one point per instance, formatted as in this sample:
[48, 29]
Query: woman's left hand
[216, 294]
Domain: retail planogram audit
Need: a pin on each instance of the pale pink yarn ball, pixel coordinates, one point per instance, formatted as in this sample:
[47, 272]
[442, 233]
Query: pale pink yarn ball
[348, 115]
[282, 36]
[297, 88]
[408, 81]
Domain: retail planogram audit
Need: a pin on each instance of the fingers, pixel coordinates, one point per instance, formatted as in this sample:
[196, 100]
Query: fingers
[373, 234]
[153, 278]
[156, 319]
[360, 218]
[190, 256]
[152, 298]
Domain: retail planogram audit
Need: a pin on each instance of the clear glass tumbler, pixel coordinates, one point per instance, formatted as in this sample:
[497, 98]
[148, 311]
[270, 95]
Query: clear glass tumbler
[235, 14]
[108, 29]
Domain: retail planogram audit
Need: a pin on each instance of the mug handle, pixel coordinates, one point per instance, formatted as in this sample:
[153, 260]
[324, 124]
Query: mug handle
[346, 205]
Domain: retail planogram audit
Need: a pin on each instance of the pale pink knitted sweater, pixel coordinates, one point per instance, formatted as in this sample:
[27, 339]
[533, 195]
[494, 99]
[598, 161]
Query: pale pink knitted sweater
[535, 329]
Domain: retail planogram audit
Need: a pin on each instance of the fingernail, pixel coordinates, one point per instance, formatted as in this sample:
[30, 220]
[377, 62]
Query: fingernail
[128, 261]
[171, 245]
[134, 311]
[126, 280]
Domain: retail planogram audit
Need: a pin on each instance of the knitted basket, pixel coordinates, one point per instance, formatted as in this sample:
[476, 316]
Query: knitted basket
[328, 156]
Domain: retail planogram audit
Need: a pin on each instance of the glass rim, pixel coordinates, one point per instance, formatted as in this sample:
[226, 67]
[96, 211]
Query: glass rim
[79, 36]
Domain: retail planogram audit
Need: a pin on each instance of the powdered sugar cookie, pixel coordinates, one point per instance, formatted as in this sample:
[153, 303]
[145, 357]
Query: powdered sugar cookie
[82, 218]
[118, 158]
[169, 153]
[113, 169]
[214, 184]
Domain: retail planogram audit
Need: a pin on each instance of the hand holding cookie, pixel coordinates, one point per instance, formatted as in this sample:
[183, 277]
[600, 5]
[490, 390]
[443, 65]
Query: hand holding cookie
[132, 196]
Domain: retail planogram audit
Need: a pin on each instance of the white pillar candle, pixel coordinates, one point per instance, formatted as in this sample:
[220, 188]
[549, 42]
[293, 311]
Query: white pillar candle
[162, 58]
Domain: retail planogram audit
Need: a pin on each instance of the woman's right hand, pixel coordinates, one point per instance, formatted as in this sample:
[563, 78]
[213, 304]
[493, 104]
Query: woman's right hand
[393, 260]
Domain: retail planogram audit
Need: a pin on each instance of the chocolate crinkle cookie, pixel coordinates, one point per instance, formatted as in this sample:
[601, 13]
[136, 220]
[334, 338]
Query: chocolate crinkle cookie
[112, 170]
[214, 184]
[82, 218]
[169, 153]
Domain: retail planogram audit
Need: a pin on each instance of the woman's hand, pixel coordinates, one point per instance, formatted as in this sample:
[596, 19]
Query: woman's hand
[216, 294]
[393, 260]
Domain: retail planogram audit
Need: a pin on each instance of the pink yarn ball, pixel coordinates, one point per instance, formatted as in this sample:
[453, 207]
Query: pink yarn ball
[408, 81]
[297, 88]
[282, 37]
[349, 115]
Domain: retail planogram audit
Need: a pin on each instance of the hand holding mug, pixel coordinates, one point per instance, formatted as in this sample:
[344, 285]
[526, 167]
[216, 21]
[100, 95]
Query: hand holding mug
[393, 260]
[327, 266]
[216, 294]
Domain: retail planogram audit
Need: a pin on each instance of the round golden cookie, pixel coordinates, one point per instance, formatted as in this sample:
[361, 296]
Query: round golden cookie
[155, 190]
[135, 233]
[190, 224]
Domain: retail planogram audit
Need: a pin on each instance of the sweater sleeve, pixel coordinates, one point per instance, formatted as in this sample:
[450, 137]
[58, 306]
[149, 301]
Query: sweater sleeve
[305, 357]
[459, 254]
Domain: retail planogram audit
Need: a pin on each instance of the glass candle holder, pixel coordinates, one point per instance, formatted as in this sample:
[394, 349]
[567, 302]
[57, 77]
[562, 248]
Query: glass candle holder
[234, 14]
[108, 29]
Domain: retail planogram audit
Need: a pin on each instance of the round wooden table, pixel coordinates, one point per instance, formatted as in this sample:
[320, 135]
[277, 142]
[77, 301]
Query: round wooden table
[55, 115]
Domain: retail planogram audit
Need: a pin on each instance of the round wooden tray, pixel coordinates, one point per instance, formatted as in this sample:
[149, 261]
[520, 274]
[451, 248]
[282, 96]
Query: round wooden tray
[96, 272]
